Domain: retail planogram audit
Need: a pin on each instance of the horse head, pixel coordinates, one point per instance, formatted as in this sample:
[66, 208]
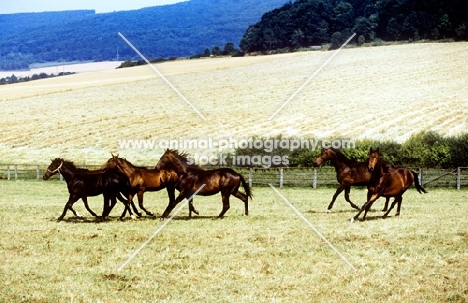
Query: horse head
[325, 155]
[112, 163]
[374, 158]
[53, 168]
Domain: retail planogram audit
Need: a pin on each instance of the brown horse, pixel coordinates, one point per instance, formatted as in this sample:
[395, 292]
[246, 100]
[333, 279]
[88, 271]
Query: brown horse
[143, 179]
[192, 178]
[82, 183]
[387, 182]
[348, 173]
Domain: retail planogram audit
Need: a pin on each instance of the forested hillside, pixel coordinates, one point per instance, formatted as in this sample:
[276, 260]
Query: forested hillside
[314, 22]
[181, 29]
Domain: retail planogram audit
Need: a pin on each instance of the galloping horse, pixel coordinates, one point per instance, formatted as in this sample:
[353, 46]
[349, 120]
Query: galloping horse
[348, 173]
[82, 183]
[143, 179]
[387, 182]
[192, 178]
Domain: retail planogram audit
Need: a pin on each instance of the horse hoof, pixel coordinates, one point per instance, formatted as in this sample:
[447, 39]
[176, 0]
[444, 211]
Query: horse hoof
[329, 211]
[352, 220]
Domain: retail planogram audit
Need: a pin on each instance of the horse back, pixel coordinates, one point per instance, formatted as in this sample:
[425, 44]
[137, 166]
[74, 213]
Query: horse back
[396, 181]
[357, 173]
[215, 180]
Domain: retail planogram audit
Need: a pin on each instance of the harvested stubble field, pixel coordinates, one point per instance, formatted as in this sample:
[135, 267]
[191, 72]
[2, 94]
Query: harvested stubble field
[386, 92]
[269, 256]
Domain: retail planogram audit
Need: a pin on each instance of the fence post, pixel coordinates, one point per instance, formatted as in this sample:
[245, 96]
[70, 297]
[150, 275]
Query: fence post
[314, 179]
[458, 177]
[8, 173]
[16, 172]
[281, 178]
[250, 177]
[37, 172]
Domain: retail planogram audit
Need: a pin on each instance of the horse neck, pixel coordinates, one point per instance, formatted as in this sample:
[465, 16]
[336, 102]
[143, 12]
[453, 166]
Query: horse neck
[68, 171]
[339, 161]
[376, 173]
[126, 168]
[179, 166]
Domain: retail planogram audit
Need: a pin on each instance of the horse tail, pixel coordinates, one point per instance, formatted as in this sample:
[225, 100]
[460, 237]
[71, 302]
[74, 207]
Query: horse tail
[247, 189]
[416, 183]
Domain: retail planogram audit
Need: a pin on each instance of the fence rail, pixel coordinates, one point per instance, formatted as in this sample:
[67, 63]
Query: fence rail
[301, 177]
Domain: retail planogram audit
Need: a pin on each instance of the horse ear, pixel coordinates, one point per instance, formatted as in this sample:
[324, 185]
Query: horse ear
[371, 150]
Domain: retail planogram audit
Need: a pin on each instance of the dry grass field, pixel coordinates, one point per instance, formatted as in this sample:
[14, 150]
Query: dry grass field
[386, 92]
[269, 256]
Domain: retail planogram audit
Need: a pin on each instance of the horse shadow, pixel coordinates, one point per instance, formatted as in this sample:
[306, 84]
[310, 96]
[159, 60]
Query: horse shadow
[97, 220]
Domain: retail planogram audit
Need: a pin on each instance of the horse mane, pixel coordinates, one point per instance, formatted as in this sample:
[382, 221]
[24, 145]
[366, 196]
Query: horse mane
[67, 162]
[182, 156]
[343, 158]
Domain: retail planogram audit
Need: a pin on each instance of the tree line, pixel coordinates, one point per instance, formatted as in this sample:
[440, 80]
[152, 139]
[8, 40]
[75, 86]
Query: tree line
[426, 149]
[14, 79]
[307, 23]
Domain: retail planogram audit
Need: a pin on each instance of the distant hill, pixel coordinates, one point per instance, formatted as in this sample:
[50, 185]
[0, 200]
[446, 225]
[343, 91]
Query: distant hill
[181, 29]
[303, 23]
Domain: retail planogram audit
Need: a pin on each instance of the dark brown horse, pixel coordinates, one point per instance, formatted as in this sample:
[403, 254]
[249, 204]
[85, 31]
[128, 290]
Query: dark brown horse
[192, 178]
[348, 173]
[387, 182]
[82, 183]
[143, 179]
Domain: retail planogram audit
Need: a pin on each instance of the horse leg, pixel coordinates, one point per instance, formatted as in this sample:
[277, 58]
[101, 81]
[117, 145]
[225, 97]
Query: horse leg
[338, 191]
[346, 195]
[226, 206]
[386, 204]
[397, 199]
[127, 208]
[365, 208]
[191, 208]
[85, 201]
[106, 206]
[243, 197]
[109, 203]
[72, 199]
[140, 203]
[182, 195]
[110, 206]
[399, 206]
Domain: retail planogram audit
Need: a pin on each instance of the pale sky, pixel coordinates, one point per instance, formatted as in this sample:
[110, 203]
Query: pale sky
[101, 6]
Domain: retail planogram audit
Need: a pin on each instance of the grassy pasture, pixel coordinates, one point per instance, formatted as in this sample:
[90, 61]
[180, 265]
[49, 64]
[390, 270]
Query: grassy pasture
[269, 256]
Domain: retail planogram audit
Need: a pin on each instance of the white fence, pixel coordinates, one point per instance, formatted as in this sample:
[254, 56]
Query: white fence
[303, 177]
